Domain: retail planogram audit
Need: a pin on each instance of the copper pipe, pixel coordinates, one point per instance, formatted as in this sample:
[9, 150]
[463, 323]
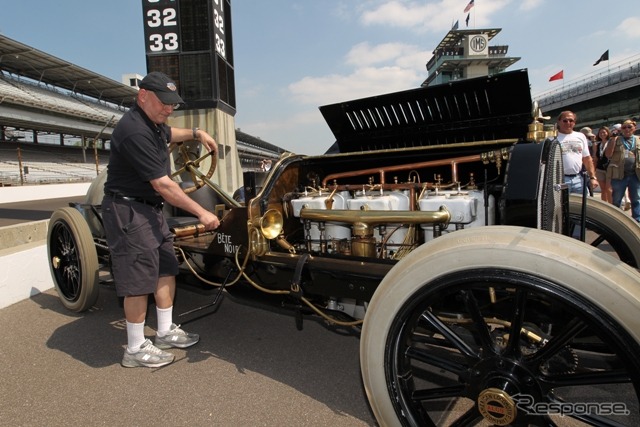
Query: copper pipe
[381, 171]
[442, 162]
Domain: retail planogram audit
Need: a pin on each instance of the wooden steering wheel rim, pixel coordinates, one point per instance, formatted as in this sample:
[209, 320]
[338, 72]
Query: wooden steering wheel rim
[184, 162]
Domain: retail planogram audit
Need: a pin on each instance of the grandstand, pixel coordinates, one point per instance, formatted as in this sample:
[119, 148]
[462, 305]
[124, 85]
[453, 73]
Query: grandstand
[601, 98]
[29, 94]
[53, 113]
[24, 164]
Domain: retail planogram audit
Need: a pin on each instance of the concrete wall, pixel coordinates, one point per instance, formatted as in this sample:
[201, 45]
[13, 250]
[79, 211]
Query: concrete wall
[24, 268]
[24, 272]
[41, 192]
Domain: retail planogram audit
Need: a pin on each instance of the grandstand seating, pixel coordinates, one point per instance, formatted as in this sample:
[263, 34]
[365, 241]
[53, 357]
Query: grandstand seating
[40, 165]
[22, 92]
[49, 151]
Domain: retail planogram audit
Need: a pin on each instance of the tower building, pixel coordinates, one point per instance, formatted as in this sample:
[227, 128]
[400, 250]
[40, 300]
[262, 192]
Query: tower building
[464, 54]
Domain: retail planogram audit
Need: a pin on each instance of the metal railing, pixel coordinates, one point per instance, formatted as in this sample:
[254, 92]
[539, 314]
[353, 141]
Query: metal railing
[620, 72]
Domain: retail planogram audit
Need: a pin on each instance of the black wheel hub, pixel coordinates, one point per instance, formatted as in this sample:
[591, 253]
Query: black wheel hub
[493, 384]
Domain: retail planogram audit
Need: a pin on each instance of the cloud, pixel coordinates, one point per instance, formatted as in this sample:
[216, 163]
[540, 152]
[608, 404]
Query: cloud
[398, 14]
[432, 17]
[630, 27]
[363, 82]
[363, 54]
[528, 5]
[291, 122]
[381, 68]
[417, 16]
[250, 90]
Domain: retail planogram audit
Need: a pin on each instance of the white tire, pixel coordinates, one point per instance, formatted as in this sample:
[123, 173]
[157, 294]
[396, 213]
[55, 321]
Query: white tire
[602, 291]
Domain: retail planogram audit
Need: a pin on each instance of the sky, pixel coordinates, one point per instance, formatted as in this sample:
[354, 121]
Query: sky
[293, 56]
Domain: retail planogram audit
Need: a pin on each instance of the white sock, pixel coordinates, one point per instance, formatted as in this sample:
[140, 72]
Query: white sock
[135, 336]
[165, 319]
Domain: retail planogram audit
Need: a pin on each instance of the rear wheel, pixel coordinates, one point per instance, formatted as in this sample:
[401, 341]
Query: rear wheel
[502, 328]
[609, 228]
[73, 259]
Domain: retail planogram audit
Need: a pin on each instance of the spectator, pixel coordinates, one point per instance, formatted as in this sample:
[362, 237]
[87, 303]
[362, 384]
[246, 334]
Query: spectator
[625, 203]
[602, 162]
[575, 153]
[624, 167]
[265, 165]
[590, 137]
[143, 259]
[615, 129]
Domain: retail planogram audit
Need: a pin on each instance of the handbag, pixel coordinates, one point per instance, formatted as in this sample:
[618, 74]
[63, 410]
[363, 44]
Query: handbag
[603, 163]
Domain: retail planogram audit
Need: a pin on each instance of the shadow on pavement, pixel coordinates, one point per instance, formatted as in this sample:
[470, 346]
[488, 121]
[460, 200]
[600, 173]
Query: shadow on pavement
[315, 362]
[102, 327]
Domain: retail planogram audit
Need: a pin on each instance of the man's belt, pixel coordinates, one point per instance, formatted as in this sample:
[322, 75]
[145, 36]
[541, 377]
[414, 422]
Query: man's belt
[157, 205]
[571, 175]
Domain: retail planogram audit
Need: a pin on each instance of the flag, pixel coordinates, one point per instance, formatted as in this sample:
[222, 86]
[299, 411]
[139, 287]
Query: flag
[603, 57]
[467, 20]
[557, 76]
[455, 26]
[469, 6]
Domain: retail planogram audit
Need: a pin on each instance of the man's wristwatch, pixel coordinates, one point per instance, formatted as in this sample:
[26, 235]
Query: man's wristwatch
[195, 133]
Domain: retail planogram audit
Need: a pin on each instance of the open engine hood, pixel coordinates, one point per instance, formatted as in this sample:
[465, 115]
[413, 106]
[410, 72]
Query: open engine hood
[479, 109]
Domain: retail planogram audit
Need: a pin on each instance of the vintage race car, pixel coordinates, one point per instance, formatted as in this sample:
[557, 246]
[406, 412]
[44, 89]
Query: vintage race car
[439, 227]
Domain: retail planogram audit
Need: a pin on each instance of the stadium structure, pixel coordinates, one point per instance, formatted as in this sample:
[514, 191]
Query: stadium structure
[56, 119]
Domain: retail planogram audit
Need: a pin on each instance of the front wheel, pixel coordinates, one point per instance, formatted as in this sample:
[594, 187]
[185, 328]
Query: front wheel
[73, 259]
[505, 326]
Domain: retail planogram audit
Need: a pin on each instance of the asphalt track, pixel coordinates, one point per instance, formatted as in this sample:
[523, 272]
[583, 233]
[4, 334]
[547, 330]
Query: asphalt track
[252, 366]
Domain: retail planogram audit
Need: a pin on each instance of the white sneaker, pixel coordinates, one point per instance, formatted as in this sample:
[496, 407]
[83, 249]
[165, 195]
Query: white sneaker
[148, 356]
[176, 337]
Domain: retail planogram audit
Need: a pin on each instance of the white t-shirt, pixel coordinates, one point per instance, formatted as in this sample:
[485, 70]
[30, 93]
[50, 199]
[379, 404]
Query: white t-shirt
[574, 147]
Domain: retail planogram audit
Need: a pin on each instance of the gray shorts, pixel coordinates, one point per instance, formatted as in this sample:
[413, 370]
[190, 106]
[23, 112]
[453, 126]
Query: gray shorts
[140, 244]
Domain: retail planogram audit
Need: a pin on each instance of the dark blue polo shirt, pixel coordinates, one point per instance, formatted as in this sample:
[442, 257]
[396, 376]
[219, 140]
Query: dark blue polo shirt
[138, 155]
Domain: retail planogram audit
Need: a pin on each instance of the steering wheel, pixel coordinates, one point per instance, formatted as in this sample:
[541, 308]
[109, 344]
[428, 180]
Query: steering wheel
[187, 165]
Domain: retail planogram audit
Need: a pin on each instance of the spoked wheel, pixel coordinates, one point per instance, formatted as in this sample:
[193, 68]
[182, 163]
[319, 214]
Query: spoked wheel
[610, 228]
[73, 259]
[188, 163]
[510, 326]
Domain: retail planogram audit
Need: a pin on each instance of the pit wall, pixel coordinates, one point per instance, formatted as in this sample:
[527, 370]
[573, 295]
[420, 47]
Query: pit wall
[40, 192]
[24, 270]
